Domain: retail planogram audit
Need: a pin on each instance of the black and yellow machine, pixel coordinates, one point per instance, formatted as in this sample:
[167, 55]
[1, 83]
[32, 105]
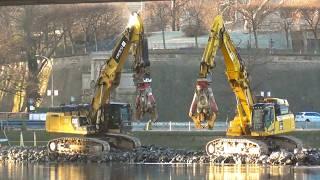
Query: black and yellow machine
[258, 122]
[102, 122]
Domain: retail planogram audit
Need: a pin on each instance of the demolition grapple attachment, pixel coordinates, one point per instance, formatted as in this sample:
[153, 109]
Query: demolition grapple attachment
[203, 107]
[145, 101]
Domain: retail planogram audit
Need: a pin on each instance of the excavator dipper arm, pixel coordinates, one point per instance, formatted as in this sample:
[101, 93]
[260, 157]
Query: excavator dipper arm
[203, 107]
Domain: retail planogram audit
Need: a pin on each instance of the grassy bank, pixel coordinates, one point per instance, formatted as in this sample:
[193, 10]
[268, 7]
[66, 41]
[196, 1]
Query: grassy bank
[176, 139]
[198, 139]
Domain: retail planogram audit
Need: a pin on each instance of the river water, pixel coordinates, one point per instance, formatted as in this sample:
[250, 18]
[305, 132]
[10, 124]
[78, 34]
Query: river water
[117, 171]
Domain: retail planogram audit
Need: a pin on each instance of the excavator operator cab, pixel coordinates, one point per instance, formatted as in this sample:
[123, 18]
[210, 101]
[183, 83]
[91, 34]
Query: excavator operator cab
[263, 116]
[271, 116]
[118, 116]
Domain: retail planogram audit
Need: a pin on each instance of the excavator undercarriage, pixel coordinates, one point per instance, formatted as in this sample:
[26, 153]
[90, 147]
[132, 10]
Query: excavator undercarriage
[93, 145]
[86, 139]
[78, 145]
[251, 146]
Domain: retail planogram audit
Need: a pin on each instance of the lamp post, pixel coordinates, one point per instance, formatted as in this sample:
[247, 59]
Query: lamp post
[52, 90]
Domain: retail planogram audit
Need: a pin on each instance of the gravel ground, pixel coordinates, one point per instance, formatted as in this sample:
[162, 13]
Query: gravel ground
[155, 154]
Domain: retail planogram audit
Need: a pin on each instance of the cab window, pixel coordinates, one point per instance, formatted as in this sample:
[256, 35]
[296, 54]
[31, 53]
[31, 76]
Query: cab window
[268, 116]
[125, 114]
[284, 109]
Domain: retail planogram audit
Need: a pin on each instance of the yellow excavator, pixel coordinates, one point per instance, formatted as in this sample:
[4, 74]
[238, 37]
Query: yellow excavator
[258, 121]
[94, 121]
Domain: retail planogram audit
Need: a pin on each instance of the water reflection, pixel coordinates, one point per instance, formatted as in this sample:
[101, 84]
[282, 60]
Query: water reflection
[249, 172]
[153, 171]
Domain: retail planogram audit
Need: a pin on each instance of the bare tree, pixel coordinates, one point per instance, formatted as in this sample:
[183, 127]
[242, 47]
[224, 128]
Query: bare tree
[286, 13]
[158, 16]
[10, 40]
[198, 17]
[312, 17]
[195, 26]
[98, 20]
[176, 11]
[109, 24]
[64, 19]
[254, 12]
[40, 30]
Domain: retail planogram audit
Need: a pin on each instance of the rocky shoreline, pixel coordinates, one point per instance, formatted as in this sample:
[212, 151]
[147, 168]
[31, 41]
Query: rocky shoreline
[154, 154]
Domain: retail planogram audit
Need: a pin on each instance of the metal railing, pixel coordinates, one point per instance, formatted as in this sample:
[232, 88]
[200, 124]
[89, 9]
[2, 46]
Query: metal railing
[219, 126]
[14, 116]
[175, 126]
[34, 124]
[22, 120]
[307, 125]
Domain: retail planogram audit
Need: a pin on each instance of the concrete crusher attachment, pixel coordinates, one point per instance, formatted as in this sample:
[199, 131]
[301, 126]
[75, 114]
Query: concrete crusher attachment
[203, 107]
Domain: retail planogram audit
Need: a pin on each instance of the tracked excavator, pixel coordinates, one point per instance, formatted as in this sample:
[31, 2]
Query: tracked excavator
[96, 128]
[259, 122]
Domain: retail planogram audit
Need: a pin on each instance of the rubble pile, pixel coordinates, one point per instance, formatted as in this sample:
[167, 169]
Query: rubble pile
[154, 154]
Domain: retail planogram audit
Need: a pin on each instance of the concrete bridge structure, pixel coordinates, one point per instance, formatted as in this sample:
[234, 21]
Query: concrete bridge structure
[42, 2]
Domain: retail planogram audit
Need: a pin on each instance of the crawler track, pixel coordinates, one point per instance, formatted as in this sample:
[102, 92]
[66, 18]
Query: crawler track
[92, 145]
[233, 146]
[253, 146]
[121, 141]
[78, 145]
